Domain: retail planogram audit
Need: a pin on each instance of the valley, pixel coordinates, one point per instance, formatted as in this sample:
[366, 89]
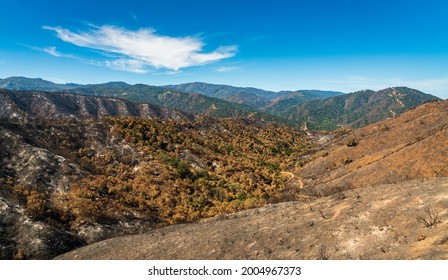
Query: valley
[274, 175]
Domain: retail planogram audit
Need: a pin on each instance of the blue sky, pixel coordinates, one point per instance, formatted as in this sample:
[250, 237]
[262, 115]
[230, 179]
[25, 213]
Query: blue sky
[275, 45]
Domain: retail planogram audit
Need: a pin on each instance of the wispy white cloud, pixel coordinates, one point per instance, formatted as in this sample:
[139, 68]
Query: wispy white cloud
[52, 51]
[130, 65]
[143, 48]
[173, 72]
[49, 50]
[225, 69]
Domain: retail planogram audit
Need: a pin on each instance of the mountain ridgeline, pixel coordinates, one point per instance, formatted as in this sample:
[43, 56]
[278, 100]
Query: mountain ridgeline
[22, 83]
[192, 103]
[356, 109]
[319, 110]
[253, 97]
[56, 106]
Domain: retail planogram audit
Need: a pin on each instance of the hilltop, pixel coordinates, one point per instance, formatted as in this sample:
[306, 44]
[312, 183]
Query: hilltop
[356, 109]
[23, 83]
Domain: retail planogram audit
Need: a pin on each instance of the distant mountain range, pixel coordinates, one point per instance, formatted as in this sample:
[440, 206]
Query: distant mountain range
[253, 97]
[319, 110]
[22, 83]
[222, 91]
[356, 109]
[192, 103]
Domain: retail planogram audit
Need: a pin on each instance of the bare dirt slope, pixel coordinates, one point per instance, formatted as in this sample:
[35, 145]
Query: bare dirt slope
[377, 222]
[411, 146]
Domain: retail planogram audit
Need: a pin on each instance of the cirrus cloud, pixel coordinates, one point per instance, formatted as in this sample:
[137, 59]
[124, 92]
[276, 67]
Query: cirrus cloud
[225, 69]
[52, 51]
[143, 48]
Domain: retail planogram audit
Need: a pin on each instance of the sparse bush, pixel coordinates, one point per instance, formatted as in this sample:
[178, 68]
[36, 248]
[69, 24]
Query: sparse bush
[322, 214]
[170, 172]
[352, 143]
[339, 196]
[323, 254]
[310, 224]
[346, 160]
[36, 203]
[431, 219]
[384, 127]
[324, 153]
[20, 255]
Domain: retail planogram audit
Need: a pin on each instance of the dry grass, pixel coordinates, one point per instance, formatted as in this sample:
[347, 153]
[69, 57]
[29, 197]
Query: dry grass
[414, 146]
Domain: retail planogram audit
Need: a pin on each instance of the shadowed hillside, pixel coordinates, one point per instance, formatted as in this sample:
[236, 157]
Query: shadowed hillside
[53, 105]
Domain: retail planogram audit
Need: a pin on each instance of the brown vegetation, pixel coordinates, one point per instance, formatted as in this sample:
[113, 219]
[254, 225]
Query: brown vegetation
[183, 172]
[375, 222]
[132, 174]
